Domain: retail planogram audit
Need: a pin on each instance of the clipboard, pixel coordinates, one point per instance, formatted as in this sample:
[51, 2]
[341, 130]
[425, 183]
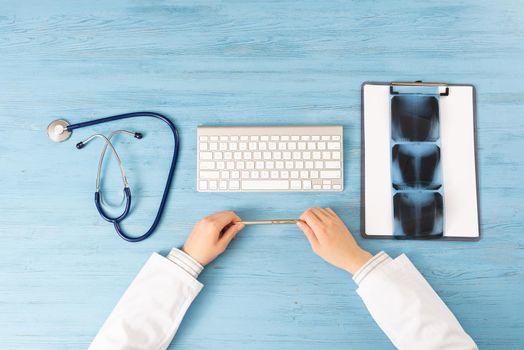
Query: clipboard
[392, 205]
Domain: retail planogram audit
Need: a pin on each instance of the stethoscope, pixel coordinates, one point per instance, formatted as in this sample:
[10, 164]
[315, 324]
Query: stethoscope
[60, 130]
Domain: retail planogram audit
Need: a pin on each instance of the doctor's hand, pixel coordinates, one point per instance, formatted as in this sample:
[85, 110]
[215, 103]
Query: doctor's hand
[331, 240]
[211, 236]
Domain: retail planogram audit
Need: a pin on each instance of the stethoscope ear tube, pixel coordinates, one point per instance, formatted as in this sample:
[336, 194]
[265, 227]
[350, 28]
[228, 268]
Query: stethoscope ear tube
[102, 212]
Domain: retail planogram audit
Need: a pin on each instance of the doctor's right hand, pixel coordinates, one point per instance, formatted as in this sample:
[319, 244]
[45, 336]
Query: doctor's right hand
[331, 240]
[211, 236]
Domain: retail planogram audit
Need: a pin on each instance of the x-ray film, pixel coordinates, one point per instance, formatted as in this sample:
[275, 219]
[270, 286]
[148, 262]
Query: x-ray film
[415, 166]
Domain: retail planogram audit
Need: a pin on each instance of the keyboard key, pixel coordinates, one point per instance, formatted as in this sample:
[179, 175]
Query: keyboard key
[274, 174]
[332, 164]
[330, 174]
[294, 174]
[319, 164]
[307, 185]
[337, 187]
[213, 146]
[213, 185]
[333, 145]
[224, 174]
[295, 138]
[203, 138]
[296, 184]
[207, 165]
[301, 146]
[209, 174]
[325, 138]
[203, 185]
[203, 146]
[235, 174]
[315, 138]
[304, 174]
[335, 155]
[234, 185]
[223, 185]
[265, 185]
[206, 155]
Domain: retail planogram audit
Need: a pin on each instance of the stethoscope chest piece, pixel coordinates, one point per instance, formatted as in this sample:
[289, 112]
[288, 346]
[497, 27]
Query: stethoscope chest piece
[57, 130]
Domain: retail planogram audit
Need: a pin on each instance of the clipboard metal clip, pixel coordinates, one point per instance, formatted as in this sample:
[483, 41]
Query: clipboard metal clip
[418, 87]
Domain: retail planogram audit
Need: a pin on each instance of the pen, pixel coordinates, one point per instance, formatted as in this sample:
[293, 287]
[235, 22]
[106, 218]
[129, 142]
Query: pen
[269, 222]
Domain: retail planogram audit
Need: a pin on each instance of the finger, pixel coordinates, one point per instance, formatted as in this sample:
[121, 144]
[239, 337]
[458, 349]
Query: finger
[223, 218]
[311, 219]
[332, 212]
[308, 232]
[323, 214]
[231, 233]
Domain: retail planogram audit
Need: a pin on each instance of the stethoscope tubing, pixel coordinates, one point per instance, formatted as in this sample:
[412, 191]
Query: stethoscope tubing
[117, 220]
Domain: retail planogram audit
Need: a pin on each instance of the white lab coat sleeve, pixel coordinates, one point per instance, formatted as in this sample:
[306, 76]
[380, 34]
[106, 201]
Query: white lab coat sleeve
[150, 311]
[406, 308]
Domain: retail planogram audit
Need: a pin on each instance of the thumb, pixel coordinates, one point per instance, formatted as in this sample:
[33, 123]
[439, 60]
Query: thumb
[231, 233]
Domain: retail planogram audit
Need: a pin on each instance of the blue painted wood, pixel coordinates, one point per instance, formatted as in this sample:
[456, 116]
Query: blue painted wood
[62, 268]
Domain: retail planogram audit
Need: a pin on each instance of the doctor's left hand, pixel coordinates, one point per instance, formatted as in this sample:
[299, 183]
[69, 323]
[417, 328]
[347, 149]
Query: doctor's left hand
[211, 236]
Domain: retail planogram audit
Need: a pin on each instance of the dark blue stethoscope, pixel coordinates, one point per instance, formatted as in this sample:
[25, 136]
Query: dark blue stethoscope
[60, 130]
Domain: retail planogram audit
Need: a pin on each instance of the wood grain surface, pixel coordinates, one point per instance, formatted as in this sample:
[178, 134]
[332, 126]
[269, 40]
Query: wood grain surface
[62, 268]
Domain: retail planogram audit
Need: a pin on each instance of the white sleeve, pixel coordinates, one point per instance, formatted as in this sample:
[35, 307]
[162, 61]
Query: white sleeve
[150, 311]
[406, 308]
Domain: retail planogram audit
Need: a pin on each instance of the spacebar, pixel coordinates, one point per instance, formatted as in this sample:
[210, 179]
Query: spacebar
[265, 184]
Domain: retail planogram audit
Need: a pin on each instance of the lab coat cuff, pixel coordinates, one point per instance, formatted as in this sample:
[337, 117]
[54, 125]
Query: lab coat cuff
[373, 263]
[185, 262]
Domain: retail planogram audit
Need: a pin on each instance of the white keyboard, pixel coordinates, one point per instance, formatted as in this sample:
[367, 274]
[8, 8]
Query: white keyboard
[270, 159]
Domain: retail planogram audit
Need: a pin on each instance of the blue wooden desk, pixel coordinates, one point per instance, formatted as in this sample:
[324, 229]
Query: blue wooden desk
[62, 268]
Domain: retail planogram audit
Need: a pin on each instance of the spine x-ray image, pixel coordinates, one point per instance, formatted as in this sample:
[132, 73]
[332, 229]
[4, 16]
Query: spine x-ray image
[416, 174]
